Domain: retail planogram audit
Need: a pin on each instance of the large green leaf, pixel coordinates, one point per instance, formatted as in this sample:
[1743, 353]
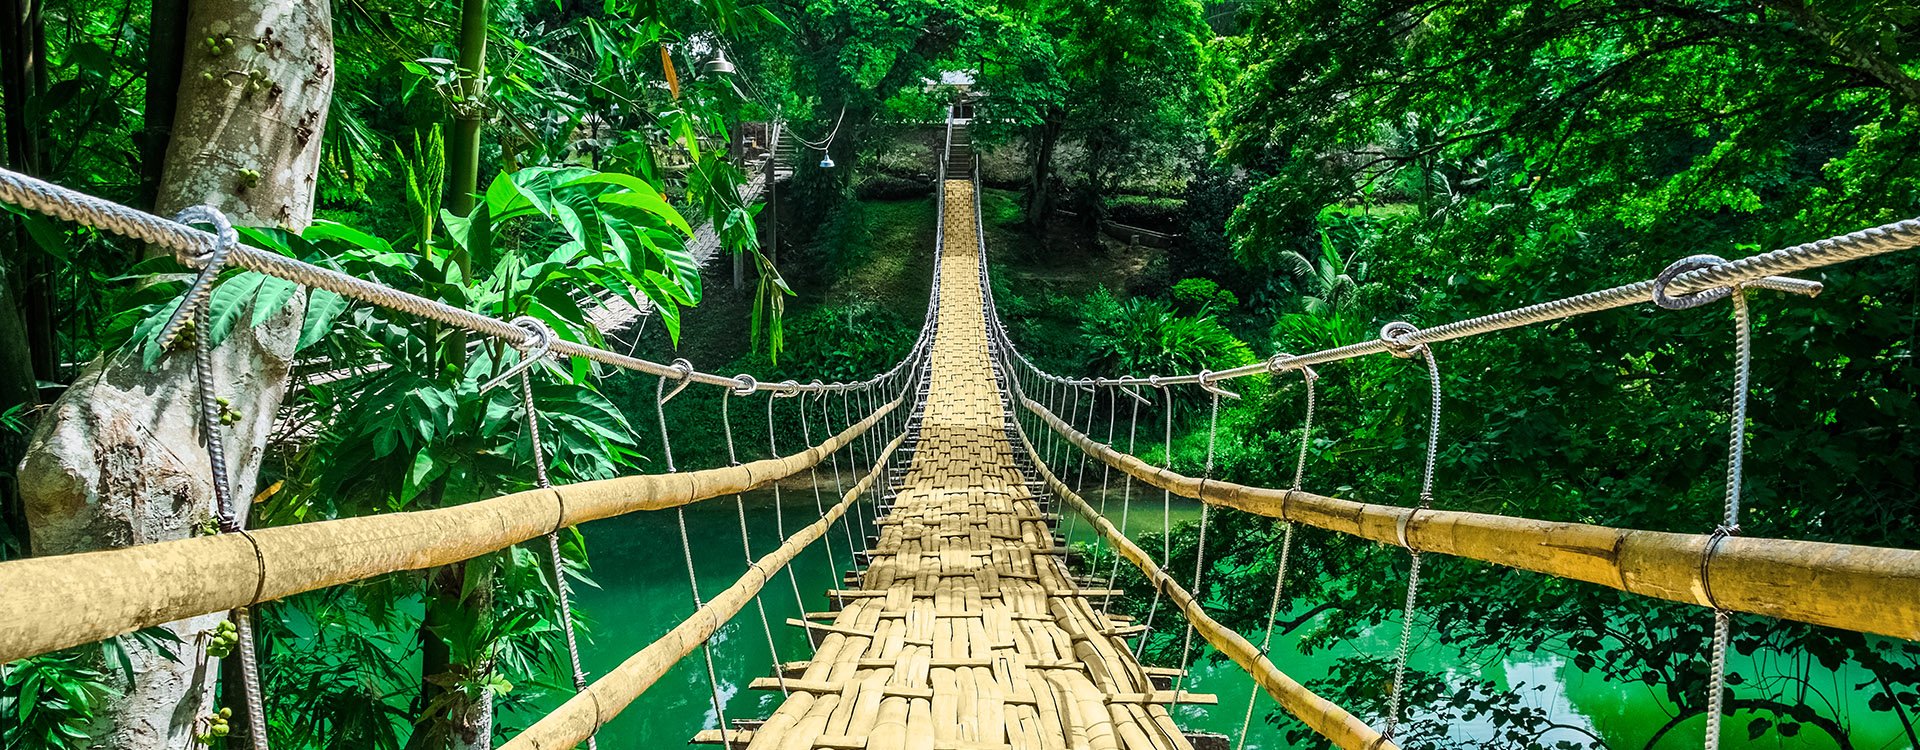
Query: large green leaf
[642, 196]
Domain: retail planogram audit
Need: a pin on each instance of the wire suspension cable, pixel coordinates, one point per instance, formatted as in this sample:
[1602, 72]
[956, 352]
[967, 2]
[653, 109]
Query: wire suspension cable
[746, 543]
[660, 397]
[826, 540]
[563, 594]
[779, 510]
[1308, 376]
[1166, 517]
[194, 307]
[1199, 551]
[1126, 499]
[1395, 334]
[1730, 523]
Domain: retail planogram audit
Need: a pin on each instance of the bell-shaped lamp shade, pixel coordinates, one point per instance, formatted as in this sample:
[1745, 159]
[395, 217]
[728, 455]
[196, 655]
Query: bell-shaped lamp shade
[719, 65]
[826, 161]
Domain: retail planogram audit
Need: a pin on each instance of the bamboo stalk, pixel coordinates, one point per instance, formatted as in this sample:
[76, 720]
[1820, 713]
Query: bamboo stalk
[1343, 729]
[1853, 587]
[52, 603]
[583, 714]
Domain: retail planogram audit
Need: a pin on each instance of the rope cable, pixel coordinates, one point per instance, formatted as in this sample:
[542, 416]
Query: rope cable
[826, 540]
[1126, 500]
[563, 594]
[1106, 472]
[1286, 549]
[1397, 336]
[660, 397]
[779, 510]
[1065, 455]
[1199, 552]
[1166, 518]
[194, 307]
[746, 543]
[1730, 523]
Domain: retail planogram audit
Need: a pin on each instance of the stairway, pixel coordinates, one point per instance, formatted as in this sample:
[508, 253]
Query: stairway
[786, 153]
[960, 149]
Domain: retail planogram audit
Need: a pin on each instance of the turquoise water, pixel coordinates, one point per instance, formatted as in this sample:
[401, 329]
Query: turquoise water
[638, 561]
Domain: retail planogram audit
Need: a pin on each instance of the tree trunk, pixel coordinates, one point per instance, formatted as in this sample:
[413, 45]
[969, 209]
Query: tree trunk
[17, 386]
[463, 149]
[23, 55]
[1040, 190]
[119, 460]
[164, 53]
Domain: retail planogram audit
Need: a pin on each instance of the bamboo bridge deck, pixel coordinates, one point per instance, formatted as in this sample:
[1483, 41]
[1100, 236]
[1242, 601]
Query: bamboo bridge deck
[967, 629]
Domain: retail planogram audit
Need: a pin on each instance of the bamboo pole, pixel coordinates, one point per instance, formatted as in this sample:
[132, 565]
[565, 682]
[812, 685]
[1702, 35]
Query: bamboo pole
[50, 603]
[1853, 587]
[1341, 728]
[583, 714]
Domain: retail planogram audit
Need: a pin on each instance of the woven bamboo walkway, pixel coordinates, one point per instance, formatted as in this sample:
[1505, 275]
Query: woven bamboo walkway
[968, 630]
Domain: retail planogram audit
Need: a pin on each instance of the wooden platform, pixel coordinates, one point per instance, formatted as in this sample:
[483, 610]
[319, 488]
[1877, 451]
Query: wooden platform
[966, 630]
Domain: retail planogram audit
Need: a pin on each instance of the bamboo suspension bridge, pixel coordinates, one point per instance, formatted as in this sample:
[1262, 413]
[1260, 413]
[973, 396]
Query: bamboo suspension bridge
[967, 628]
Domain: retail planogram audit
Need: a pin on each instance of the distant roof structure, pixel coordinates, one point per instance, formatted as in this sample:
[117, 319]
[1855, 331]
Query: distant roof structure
[960, 79]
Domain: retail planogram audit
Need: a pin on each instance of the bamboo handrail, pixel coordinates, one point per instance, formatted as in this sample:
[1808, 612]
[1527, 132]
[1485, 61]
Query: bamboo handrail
[1343, 729]
[583, 714]
[1852, 587]
[66, 600]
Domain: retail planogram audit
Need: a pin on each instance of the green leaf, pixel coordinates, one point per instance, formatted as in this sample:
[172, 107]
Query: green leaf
[422, 471]
[273, 296]
[323, 307]
[639, 195]
[323, 230]
[229, 302]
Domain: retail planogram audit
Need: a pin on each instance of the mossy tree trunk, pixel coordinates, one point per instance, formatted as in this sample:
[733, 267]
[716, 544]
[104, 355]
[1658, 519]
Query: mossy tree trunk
[119, 460]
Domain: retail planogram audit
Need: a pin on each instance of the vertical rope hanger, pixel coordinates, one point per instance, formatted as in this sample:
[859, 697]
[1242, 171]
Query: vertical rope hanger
[1106, 469]
[826, 428]
[746, 543]
[846, 419]
[1080, 477]
[1064, 455]
[660, 398]
[1126, 498]
[1286, 547]
[1395, 335]
[779, 509]
[193, 311]
[1736, 467]
[1200, 549]
[533, 352]
[1166, 514]
[826, 539]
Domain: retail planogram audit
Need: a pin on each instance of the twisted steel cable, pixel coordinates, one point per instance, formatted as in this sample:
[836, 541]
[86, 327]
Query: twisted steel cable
[197, 248]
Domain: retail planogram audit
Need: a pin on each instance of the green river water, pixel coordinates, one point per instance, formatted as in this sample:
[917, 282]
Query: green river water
[643, 592]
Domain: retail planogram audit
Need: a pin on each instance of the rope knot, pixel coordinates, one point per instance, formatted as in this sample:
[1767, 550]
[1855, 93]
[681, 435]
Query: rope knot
[747, 387]
[788, 389]
[1398, 336]
[1692, 299]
